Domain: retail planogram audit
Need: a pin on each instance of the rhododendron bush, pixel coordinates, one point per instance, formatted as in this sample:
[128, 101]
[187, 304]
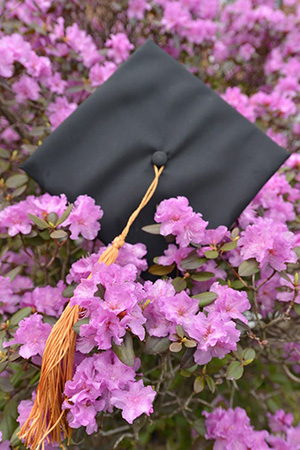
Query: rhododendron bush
[200, 348]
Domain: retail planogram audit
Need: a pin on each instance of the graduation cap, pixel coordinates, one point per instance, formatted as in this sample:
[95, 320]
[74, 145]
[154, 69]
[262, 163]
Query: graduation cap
[151, 112]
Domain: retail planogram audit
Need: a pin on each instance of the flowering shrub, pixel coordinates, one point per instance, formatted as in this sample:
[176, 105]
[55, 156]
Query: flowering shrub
[205, 354]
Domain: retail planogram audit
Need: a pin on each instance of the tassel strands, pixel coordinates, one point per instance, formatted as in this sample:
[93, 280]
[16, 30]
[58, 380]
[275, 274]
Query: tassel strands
[47, 422]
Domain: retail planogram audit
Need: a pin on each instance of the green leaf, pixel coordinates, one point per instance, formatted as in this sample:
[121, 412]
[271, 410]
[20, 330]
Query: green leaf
[297, 251]
[211, 254]
[190, 343]
[237, 284]
[202, 276]
[65, 214]
[235, 233]
[192, 262]
[15, 181]
[199, 384]
[235, 371]
[4, 153]
[12, 274]
[38, 131]
[210, 383]
[175, 347]
[179, 331]
[205, 298]
[125, 351]
[248, 267]
[19, 191]
[152, 229]
[229, 246]
[4, 166]
[52, 218]
[69, 291]
[77, 325]
[59, 234]
[18, 316]
[41, 223]
[157, 269]
[155, 345]
[285, 276]
[179, 284]
[297, 308]
[8, 424]
[248, 356]
[14, 440]
[187, 359]
[5, 385]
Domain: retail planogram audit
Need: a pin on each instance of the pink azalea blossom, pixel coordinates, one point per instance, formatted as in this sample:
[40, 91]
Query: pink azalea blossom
[59, 111]
[100, 73]
[137, 8]
[135, 401]
[269, 242]
[119, 47]
[84, 218]
[26, 89]
[32, 334]
[229, 301]
[177, 218]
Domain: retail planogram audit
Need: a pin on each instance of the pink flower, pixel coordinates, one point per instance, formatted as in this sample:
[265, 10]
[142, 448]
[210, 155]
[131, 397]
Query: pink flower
[173, 254]
[269, 242]
[229, 301]
[100, 73]
[6, 60]
[83, 44]
[46, 300]
[279, 138]
[215, 334]
[26, 89]
[8, 301]
[32, 334]
[280, 421]
[56, 84]
[240, 102]
[180, 309]
[215, 236]
[84, 218]
[231, 430]
[59, 111]
[15, 218]
[246, 51]
[289, 294]
[45, 204]
[119, 47]
[135, 401]
[177, 218]
[175, 16]
[137, 8]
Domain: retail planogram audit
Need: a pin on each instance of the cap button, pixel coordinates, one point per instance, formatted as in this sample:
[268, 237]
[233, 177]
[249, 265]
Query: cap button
[159, 158]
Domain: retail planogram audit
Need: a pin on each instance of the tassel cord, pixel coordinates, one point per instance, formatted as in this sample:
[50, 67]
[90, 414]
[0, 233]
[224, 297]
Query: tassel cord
[46, 421]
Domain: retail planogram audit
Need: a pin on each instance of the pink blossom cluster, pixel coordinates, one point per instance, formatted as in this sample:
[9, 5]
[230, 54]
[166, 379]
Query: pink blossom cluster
[231, 429]
[178, 218]
[83, 219]
[102, 382]
[213, 330]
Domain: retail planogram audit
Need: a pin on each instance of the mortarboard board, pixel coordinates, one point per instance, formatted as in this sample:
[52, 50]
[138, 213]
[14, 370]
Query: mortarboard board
[153, 111]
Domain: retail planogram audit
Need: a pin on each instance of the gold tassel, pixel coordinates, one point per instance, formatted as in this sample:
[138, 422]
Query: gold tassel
[47, 421]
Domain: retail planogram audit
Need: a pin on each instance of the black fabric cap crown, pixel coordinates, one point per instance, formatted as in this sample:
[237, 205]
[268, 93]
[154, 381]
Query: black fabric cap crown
[215, 157]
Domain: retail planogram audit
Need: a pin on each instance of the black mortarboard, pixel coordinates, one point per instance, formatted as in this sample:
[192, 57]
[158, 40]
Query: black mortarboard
[152, 110]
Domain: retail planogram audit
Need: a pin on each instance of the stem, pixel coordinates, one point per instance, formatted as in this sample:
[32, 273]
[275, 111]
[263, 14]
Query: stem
[268, 279]
[234, 271]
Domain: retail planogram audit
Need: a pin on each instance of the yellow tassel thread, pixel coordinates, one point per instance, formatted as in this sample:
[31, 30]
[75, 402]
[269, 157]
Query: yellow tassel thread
[47, 422]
